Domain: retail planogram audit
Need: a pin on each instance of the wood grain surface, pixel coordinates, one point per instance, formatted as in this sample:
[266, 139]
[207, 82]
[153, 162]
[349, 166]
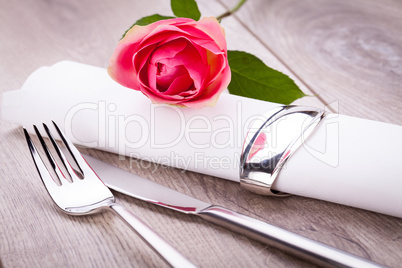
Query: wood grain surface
[349, 53]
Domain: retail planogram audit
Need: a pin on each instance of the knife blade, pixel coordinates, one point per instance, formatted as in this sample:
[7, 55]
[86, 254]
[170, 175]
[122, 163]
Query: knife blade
[297, 245]
[143, 189]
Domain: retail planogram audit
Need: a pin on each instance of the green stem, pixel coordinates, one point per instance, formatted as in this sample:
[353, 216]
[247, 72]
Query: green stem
[233, 10]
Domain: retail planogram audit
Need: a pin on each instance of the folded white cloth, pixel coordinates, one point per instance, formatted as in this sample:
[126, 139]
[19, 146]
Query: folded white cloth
[97, 112]
[346, 160]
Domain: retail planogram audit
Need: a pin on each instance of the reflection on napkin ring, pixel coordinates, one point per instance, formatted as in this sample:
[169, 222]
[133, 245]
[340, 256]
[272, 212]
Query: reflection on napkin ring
[270, 143]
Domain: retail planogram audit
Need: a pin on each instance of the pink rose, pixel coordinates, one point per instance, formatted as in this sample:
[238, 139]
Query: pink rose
[176, 61]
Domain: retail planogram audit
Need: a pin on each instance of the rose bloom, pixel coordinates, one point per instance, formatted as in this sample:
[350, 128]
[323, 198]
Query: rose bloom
[176, 61]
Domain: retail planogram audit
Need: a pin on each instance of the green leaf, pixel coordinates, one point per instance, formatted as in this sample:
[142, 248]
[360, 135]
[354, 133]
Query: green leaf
[185, 9]
[253, 79]
[148, 20]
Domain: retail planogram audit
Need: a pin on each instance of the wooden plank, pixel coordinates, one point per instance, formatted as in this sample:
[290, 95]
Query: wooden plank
[348, 52]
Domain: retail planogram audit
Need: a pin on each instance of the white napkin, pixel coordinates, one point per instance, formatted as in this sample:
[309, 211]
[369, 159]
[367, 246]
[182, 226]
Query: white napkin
[97, 112]
[347, 160]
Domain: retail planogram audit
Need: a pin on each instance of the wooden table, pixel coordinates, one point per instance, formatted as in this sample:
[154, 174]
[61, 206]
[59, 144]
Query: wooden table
[349, 53]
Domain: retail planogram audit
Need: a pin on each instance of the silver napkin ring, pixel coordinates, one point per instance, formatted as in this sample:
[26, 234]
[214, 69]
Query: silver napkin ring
[271, 142]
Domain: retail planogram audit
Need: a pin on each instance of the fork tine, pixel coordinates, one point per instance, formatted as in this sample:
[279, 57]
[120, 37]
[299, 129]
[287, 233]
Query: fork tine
[50, 157]
[76, 155]
[62, 157]
[40, 166]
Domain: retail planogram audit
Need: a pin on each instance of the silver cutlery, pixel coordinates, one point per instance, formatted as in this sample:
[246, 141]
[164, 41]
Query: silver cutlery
[299, 246]
[82, 192]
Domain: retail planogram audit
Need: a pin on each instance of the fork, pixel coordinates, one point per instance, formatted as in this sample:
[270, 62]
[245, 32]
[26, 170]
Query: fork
[84, 193]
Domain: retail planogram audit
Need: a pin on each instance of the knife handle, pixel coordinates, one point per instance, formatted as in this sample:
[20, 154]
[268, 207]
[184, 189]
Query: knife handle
[289, 242]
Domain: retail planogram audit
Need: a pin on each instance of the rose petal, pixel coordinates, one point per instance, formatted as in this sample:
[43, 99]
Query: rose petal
[140, 59]
[121, 67]
[161, 33]
[166, 33]
[168, 50]
[210, 96]
[157, 98]
[149, 78]
[138, 33]
[211, 27]
[217, 64]
[166, 78]
[192, 60]
[181, 84]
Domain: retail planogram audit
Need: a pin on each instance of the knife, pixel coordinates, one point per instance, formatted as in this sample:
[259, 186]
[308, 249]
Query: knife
[299, 246]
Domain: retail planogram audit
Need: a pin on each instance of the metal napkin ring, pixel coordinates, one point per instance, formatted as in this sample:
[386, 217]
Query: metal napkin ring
[270, 142]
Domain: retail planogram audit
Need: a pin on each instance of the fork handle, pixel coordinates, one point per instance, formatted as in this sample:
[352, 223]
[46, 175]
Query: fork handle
[160, 246]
